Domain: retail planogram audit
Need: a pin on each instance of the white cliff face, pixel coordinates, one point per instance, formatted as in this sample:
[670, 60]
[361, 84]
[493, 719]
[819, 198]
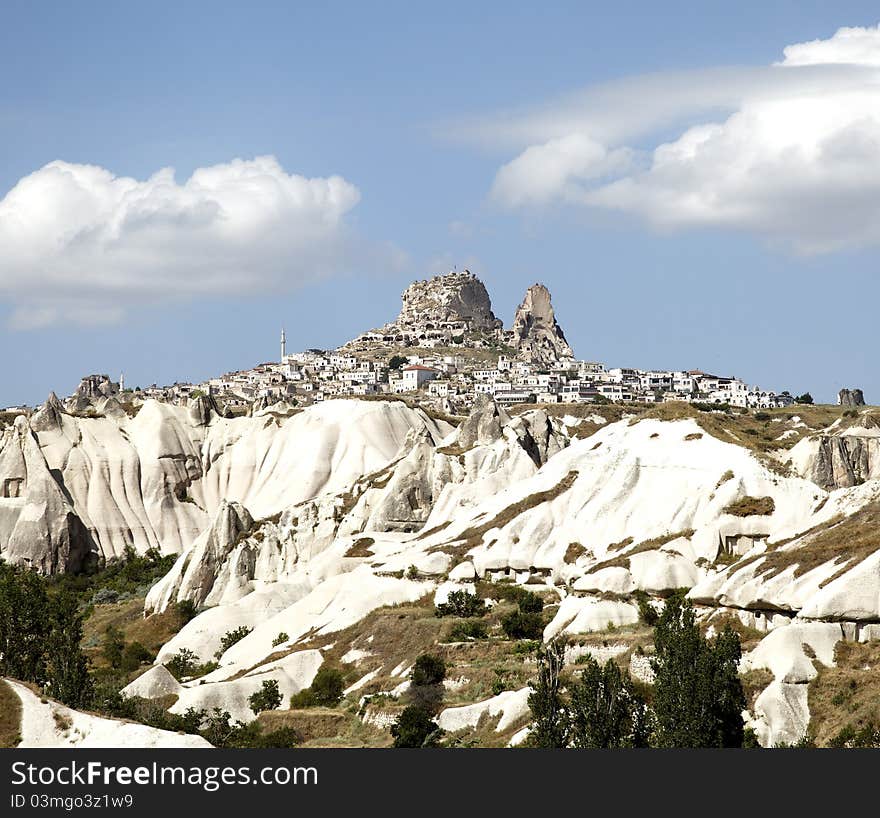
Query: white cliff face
[75, 485]
[302, 524]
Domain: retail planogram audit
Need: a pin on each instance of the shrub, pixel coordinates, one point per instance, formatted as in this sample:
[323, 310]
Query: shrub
[326, 690]
[327, 687]
[519, 625]
[461, 604]
[104, 596]
[647, 613]
[470, 629]
[182, 664]
[112, 646]
[268, 697]
[806, 398]
[134, 655]
[230, 638]
[280, 639]
[302, 700]
[186, 611]
[415, 728]
[428, 670]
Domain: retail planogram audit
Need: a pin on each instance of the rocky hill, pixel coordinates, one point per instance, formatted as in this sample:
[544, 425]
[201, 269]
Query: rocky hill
[454, 310]
[303, 527]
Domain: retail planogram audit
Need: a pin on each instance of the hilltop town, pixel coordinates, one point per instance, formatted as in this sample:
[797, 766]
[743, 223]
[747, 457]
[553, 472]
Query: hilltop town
[444, 349]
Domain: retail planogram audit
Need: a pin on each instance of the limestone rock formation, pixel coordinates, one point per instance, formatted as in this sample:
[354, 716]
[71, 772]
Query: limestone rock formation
[537, 336]
[850, 397]
[96, 387]
[441, 308]
[453, 297]
[38, 524]
[196, 569]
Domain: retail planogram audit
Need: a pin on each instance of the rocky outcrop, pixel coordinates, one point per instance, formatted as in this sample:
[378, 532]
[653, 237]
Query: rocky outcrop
[450, 298]
[850, 397]
[483, 425]
[843, 458]
[202, 409]
[844, 461]
[192, 576]
[48, 416]
[537, 336]
[95, 387]
[445, 309]
[44, 531]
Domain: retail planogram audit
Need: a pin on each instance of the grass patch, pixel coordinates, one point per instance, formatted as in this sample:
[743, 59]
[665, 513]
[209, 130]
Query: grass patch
[10, 716]
[845, 695]
[847, 542]
[361, 548]
[473, 536]
[751, 507]
[646, 545]
[728, 475]
[574, 550]
[756, 430]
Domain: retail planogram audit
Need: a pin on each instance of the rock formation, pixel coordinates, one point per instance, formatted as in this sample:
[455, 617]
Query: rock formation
[442, 308]
[850, 397]
[537, 336]
[38, 525]
[96, 386]
[450, 298]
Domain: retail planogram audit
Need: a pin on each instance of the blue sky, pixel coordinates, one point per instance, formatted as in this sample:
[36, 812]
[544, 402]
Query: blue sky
[444, 123]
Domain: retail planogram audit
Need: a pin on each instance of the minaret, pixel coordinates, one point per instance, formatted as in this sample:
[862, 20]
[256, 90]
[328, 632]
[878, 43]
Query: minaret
[283, 344]
[122, 382]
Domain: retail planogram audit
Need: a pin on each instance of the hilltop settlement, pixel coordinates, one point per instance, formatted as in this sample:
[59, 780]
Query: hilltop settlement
[444, 349]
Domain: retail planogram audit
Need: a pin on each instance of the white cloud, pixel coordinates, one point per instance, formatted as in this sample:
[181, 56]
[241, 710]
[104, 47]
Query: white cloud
[795, 155]
[80, 244]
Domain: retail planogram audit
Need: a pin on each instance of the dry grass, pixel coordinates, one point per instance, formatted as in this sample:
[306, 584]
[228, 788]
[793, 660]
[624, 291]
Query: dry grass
[473, 536]
[728, 475]
[574, 550]
[646, 545]
[751, 507]
[847, 541]
[848, 694]
[128, 616]
[756, 430]
[314, 723]
[361, 548]
[10, 716]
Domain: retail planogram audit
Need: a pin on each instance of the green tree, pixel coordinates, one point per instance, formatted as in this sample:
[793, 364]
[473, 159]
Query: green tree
[230, 638]
[428, 670]
[461, 603]
[112, 646]
[806, 398]
[268, 697]
[396, 361]
[698, 696]
[606, 709]
[327, 687]
[67, 668]
[24, 625]
[415, 728]
[550, 716]
[519, 625]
